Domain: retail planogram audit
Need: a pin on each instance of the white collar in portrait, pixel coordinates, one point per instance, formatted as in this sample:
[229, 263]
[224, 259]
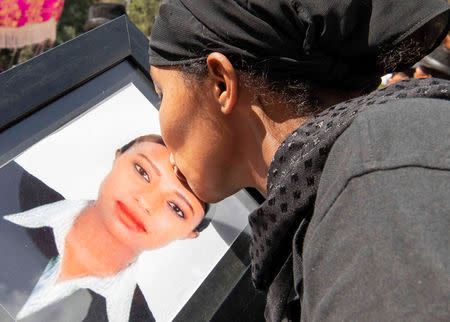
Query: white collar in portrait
[118, 290]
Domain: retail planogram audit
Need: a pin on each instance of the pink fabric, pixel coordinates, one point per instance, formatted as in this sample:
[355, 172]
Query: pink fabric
[18, 13]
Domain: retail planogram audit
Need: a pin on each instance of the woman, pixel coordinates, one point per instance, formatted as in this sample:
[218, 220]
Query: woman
[141, 206]
[256, 93]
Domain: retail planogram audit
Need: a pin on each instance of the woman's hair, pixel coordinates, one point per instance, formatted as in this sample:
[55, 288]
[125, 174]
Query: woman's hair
[304, 97]
[154, 138]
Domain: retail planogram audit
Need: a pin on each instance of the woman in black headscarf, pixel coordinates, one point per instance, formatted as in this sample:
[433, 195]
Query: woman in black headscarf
[279, 95]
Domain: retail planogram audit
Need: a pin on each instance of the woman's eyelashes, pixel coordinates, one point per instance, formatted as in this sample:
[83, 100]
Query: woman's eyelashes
[141, 171]
[176, 209]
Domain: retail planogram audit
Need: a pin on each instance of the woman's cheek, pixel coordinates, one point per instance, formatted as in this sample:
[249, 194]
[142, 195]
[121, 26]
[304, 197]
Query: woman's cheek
[168, 225]
[168, 115]
[175, 118]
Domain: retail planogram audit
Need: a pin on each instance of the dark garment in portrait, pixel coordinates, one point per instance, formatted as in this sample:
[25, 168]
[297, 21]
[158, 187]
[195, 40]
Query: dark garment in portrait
[25, 253]
[361, 232]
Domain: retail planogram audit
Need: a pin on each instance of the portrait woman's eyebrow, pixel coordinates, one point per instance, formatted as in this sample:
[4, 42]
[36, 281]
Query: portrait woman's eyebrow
[142, 205]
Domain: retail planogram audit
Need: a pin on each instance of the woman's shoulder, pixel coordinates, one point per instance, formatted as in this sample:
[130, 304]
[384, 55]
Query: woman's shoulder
[396, 134]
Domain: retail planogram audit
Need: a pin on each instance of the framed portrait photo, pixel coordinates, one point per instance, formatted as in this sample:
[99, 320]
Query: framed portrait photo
[93, 225]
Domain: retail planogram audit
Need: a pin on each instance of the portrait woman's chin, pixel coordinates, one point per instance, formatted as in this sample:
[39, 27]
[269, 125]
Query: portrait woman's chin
[142, 205]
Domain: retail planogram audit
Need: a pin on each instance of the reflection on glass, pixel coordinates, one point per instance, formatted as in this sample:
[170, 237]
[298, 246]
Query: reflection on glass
[141, 205]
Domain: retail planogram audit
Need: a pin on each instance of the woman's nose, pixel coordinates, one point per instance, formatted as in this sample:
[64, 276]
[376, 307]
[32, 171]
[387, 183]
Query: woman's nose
[177, 171]
[144, 204]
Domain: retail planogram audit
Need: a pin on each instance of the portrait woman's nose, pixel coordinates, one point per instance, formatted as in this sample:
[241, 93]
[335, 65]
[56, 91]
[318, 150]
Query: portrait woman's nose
[144, 203]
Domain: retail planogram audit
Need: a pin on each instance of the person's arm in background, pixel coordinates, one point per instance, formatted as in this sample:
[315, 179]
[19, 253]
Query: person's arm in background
[377, 248]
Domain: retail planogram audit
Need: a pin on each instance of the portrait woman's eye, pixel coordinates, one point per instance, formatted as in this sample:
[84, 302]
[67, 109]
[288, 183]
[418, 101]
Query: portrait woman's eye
[176, 209]
[140, 170]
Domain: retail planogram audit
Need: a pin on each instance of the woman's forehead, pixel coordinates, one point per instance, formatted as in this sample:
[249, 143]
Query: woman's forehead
[162, 73]
[155, 153]
[150, 149]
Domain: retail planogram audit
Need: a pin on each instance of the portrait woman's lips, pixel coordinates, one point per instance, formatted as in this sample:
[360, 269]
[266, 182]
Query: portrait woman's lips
[130, 219]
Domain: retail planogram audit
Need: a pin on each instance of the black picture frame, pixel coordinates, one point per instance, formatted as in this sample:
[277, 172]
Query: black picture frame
[45, 78]
[32, 86]
[107, 57]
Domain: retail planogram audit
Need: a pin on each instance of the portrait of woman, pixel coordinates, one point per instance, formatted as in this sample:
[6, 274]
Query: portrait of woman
[141, 205]
[90, 232]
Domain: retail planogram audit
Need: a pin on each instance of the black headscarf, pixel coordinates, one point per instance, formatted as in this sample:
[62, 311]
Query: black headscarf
[309, 39]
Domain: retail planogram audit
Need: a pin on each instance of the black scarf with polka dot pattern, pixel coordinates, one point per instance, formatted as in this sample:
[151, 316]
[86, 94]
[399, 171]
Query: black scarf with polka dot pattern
[294, 176]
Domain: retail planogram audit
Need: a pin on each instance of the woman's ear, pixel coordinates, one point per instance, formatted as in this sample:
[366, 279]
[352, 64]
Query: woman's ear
[225, 81]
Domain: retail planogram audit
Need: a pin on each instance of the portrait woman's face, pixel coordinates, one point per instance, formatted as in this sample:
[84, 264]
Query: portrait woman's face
[143, 203]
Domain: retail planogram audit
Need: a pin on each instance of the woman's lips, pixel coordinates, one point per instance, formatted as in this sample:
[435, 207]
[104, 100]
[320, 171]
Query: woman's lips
[129, 219]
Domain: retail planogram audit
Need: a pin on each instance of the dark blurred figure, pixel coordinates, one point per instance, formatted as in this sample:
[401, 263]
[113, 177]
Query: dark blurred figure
[436, 64]
[101, 13]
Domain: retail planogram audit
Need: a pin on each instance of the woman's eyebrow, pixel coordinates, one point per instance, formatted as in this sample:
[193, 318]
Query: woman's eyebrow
[158, 172]
[179, 194]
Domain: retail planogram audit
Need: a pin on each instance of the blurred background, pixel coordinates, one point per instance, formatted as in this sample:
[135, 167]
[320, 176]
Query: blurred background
[30, 27]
